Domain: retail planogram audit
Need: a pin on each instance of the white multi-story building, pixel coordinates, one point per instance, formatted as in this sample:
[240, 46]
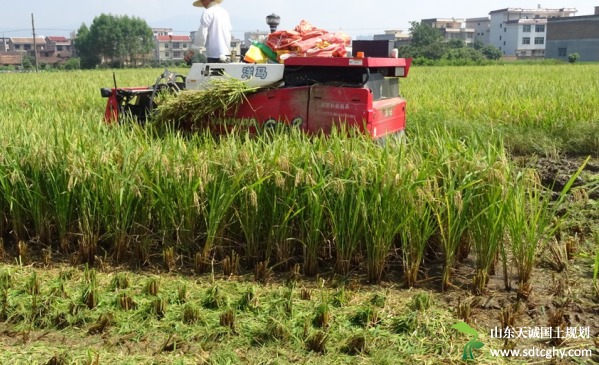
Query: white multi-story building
[482, 29]
[169, 48]
[522, 32]
[162, 31]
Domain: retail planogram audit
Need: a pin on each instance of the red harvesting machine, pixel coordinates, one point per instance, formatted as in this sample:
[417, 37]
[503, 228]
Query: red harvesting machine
[314, 94]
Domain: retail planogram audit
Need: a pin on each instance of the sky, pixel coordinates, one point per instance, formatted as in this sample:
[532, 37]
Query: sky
[354, 17]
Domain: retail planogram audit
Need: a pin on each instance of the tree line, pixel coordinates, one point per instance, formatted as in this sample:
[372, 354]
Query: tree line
[428, 43]
[113, 40]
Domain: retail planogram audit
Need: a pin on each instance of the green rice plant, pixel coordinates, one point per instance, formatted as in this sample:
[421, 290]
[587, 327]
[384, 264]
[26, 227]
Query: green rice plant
[89, 221]
[122, 184]
[35, 203]
[407, 323]
[531, 214]
[420, 226]
[452, 205]
[489, 213]
[221, 189]
[383, 211]
[250, 209]
[312, 218]
[176, 187]
[345, 200]
[61, 183]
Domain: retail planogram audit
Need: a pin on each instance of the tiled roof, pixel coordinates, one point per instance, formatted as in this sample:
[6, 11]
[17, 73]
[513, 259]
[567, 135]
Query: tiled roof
[527, 21]
[6, 59]
[538, 10]
[27, 40]
[167, 38]
[58, 39]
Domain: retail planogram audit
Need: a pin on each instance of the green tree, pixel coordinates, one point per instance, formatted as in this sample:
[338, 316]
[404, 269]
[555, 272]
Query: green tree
[435, 51]
[72, 64]
[573, 57]
[478, 45]
[466, 53]
[28, 62]
[424, 35]
[492, 52]
[456, 43]
[84, 46]
[115, 40]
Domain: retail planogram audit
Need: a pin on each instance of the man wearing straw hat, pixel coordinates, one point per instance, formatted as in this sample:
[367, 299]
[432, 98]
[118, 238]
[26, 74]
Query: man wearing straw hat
[214, 32]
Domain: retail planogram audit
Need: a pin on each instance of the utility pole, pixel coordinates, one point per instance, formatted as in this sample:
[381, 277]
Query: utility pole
[34, 41]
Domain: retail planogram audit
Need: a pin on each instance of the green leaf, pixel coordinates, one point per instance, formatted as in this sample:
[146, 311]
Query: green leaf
[463, 327]
[477, 345]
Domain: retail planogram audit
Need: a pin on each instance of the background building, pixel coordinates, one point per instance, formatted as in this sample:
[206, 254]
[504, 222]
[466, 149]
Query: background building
[452, 28]
[162, 31]
[26, 45]
[578, 34]
[171, 47]
[398, 36]
[482, 29]
[521, 32]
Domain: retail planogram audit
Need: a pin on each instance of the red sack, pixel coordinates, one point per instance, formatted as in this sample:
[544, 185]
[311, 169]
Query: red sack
[309, 41]
[283, 40]
[337, 37]
[304, 45]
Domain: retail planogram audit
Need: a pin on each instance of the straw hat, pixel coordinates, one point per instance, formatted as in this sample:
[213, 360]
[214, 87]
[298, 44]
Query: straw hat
[199, 3]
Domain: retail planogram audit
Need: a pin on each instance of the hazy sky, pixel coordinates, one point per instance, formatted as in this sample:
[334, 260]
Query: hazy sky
[354, 17]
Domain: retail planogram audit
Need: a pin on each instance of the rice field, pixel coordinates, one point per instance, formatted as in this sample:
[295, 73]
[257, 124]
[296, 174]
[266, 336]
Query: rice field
[76, 191]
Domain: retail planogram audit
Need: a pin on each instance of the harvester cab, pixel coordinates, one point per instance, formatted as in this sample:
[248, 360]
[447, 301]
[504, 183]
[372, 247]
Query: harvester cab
[311, 93]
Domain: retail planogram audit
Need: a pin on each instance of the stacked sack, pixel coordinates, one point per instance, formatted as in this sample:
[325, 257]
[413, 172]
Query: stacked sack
[307, 41]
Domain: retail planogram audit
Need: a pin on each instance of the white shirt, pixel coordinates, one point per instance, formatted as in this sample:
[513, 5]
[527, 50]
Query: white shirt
[214, 32]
